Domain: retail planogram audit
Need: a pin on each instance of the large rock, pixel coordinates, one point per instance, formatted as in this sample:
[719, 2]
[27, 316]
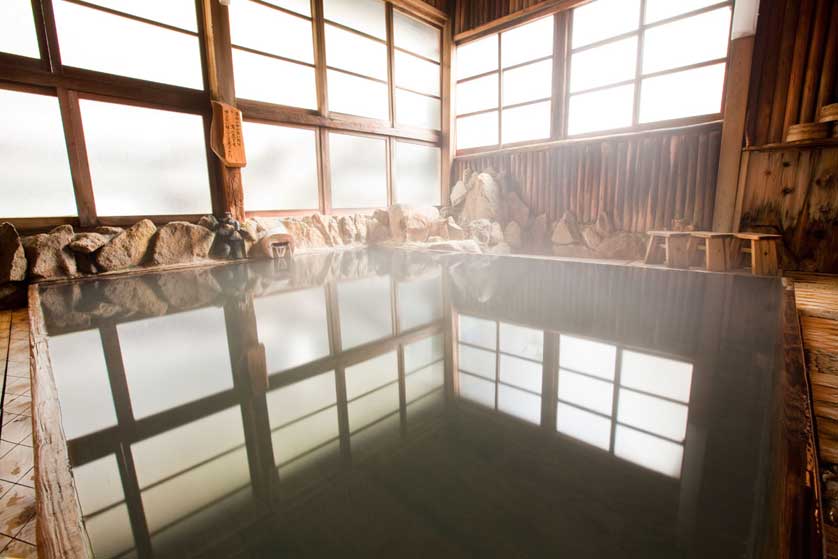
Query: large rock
[537, 233]
[501, 249]
[467, 245]
[496, 234]
[480, 230]
[483, 200]
[604, 225]
[306, 236]
[180, 241]
[512, 235]
[361, 221]
[128, 248]
[88, 243]
[591, 237]
[208, 221]
[409, 223]
[565, 232]
[458, 193]
[516, 209]
[377, 232]
[622, 245]
[12, 255]
[249, 230]
[49, 255]
[328, 227]
[348, 231]
[447, 228]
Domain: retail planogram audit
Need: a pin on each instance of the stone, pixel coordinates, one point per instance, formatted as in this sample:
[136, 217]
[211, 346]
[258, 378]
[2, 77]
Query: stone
[209, 222]
[409, 223]
[377, 232]
[537, 234]
[382, 217]
[480, 230]
[88, 243]
[458, 193]
[306, 236]
[48, 254]
[516, 209]
[361, 227]
[179, 241]
[347, 229]
[108, 231]
[622, 245]
[512, 235]
[12, 296]
[436, 239]
[250, 230]
[86, 263]
[467, 245]
[128, 248]
[496, 234]
[565, 233]
[604, 225]
[327, 226]
[501, 249]
[12, 255]
[591, 237]
[483, 200]
[455, 232]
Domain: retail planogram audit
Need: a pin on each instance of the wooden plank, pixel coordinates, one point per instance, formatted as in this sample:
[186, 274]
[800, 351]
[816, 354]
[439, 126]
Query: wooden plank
[521, 16]
[60, 531]
[68, 102]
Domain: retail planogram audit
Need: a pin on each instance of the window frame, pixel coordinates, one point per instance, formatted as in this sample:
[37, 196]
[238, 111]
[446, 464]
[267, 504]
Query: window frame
[562, 54]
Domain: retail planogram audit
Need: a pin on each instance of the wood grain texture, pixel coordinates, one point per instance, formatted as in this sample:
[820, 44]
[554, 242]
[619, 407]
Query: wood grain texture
[61, 533]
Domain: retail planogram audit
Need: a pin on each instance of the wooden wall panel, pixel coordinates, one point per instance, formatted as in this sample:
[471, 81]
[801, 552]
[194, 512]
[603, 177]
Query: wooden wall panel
[643, 181]
[469, 14]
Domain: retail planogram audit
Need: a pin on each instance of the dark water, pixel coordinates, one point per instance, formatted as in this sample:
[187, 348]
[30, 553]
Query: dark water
[255, 411]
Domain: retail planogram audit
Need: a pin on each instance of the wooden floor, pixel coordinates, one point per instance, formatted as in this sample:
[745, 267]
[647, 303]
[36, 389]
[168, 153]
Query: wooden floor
[17, 493]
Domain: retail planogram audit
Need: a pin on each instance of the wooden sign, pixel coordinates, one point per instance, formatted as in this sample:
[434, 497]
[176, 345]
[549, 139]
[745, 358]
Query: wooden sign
[226, 131]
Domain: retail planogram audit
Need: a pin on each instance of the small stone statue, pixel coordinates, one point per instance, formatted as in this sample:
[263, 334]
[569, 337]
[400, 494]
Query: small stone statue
[229, 242]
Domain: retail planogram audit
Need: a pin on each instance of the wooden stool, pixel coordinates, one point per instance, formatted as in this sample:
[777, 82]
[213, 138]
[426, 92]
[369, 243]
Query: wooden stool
[763, 249]
[668, 247]
[714, 246]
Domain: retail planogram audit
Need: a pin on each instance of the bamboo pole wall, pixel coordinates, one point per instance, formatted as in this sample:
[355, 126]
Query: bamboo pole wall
[644, 181]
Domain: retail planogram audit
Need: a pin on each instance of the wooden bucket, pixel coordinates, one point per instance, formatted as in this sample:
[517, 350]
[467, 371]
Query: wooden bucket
[808, 131]
[829, 113]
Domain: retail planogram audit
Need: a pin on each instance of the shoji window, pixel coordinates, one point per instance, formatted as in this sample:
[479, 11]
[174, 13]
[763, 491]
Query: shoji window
[417, 174]
[155, 41]
[273, 52]
[358, 171]
[33, 157]
[417, 50]
[17, 28]
[636, 62]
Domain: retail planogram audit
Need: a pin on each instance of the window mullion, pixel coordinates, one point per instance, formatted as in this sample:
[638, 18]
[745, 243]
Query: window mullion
[319, 38]
[638, 70]
[500, 90]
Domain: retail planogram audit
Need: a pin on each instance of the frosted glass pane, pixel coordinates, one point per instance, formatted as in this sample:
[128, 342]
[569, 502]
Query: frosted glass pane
[478, 331]
[521, 373]
[298, 438]
[299, 6]
[520, 404]
[33, 157]
[522, 341]
[586, 392]
[687, 41]
[604, 18]
[364, 15]
[424, 352]
[527, 42]
[110, 532]
[300, 399]
[477, 390]
[146, 161]
[611, 63]
[586, 356]
[477, 94]
[357, 96]
[478, 130]
[261, 78]
[424, 381]
[477, 361]
[371, 374]
[417, 174]
[98, 484]
[415, 36]
[175, 359]
[420, 301]
[81, 378]
[256, 26]
[416, 74]
[528, 83]
[477, 57]
[373, 407]
[657, 375]
[654, 415]
[657, 10]
[178, 13]
[649, 451]
[281, 172]
[17, 28]
[413, 109]
[293, 327]
[364, 307]
[189, 493]
[682, 94]
[584, 426]
[606, 109]
[529, 122]
[180, 449]
[359, 171]
[352, 52]
[105, 42]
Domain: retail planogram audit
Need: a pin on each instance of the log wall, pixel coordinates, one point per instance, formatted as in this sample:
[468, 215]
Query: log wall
[643, 181]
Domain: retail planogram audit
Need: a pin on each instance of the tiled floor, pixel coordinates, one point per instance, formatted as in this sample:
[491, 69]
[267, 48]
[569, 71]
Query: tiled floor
[17, 493]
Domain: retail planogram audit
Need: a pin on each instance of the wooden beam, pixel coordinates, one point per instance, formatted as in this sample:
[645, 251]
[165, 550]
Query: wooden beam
[68, 101]
[521, 16]
[423, 10]
[447, 119]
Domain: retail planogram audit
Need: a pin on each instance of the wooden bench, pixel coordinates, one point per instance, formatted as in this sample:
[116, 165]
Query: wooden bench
[668, 247]
[762, 248]
[715, 247]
